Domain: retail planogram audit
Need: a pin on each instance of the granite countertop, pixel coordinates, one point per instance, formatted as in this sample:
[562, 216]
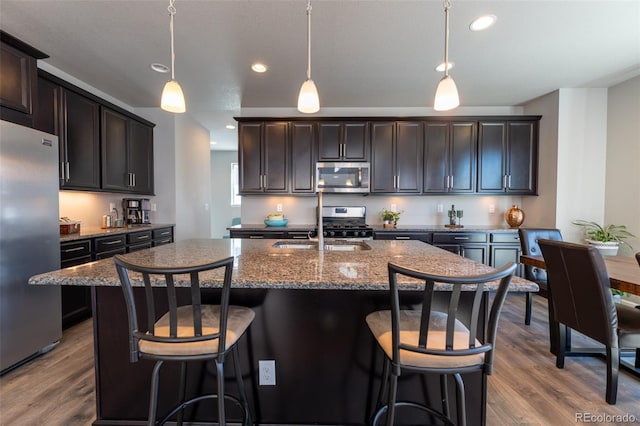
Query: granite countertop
[259, 265]
[100, 232]
[380, 228]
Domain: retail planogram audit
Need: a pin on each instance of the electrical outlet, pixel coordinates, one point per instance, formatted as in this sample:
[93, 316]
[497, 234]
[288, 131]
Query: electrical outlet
[279, 207]
[394, 207]
[492, 208]
[267, 372]
[153, 207]
[112, 206]
[440, 208]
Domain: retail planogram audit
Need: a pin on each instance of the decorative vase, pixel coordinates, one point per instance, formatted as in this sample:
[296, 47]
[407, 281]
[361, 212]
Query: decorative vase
[606, 248]
[514, 216]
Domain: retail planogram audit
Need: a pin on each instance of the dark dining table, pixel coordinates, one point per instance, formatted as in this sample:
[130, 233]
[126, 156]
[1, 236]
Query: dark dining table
[624, 272]
[624, 275]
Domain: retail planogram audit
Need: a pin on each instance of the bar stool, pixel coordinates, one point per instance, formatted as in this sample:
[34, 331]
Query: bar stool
[430, 341]
[193, 332]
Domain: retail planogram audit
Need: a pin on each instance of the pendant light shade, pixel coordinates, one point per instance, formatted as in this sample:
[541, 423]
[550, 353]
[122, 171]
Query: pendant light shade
[308, 99]
[447, 92]
[172, 96]
[446, 95]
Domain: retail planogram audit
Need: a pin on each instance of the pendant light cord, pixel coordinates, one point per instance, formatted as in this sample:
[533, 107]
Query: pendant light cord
[308, 39]
[447, 5]
[172, 11]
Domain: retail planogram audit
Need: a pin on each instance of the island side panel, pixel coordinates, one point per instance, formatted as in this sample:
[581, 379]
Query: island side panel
[327, 364]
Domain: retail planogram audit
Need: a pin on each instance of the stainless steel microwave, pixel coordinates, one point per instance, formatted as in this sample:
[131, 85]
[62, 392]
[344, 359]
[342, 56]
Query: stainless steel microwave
[342, 177]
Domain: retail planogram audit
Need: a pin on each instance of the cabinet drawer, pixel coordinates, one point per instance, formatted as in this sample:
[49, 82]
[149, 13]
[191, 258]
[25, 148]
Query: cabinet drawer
[394, 235]
[459, 237]
[298, 235]
[140, 237]
[137, 247]
[110, 253]
[104, 244]
[162, 233]
[75, 249]
[505, 237]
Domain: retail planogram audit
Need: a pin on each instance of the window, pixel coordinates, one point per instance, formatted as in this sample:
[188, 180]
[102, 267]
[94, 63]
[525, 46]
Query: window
[235, 185]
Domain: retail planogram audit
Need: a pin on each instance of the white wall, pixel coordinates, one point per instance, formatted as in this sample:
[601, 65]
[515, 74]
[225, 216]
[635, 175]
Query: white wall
[221, 210]
[622, 199]
[541, 210]
[192, 179]
[582, 150]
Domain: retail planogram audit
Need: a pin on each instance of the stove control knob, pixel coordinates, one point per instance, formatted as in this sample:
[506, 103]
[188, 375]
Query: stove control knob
[332, 233]
[344, 233]
[324, 233]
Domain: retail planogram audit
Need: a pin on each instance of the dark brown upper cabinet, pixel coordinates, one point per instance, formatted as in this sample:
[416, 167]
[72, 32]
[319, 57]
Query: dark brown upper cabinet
[303, 159]
[18, 79]
[396, 160]
[508, 157]
[75, 119]
[343, 141]
[263, 157]
[449, 157]
[127, 154]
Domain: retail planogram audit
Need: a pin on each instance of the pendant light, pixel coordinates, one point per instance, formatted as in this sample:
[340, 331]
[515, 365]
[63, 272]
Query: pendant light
[447, 92]
[308, 100]
[172, 96]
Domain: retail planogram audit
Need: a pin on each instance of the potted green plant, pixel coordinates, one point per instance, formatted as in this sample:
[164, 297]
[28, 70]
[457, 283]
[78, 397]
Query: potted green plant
[606, 238]
[389, 218]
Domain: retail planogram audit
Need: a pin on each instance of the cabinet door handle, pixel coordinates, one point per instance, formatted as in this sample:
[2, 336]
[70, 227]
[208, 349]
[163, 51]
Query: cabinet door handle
[165, 233]
[74, 249]
[62, 169]
[256, 237]
[133, 179]
[66, 170]
[400, 237]
[451, 182]
[460, 238]
[446, 185]
[509, 182]
[110, 243]
[504, 181]
[142, 237]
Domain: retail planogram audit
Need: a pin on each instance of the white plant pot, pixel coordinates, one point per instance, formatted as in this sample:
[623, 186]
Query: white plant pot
[606, 248]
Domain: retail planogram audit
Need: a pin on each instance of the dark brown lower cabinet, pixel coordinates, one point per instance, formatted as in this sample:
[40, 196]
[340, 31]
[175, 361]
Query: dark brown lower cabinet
[76, 301]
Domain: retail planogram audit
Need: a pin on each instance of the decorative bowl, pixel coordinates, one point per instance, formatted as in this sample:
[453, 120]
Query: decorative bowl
[276, 222]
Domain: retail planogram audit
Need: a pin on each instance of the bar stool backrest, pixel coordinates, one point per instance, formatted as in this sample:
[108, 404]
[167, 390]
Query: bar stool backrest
[160, 289]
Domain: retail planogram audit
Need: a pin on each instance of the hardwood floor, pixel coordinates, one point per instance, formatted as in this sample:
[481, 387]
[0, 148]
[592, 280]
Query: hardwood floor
[526, 387]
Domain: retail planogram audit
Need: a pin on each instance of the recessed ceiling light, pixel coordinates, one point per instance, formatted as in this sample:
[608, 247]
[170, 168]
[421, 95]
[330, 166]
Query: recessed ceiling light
[482, 22]
[440, 68]
[159, 68]
[258, 67]
[230, 126]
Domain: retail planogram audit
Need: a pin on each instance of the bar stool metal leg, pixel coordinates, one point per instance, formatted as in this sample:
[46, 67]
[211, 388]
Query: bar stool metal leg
[153, 404]
[248, 420]
[220, 373]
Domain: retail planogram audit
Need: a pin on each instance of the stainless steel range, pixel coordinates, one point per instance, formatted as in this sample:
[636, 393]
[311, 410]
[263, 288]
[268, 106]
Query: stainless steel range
[345, 222]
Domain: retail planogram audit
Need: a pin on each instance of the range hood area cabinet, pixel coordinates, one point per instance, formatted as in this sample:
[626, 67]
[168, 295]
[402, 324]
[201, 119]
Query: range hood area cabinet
[396, 157]
[417, 155]
[343, 141]
[102, 148]
[508, 157]
[450, 157]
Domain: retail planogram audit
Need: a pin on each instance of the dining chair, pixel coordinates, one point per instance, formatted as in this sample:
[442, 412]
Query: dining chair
[582, 300]
[189, 332]
[529, 244]
[431, 341]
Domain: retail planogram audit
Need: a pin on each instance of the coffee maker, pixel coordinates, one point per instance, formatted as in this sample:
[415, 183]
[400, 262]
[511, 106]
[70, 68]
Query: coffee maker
[136, 210]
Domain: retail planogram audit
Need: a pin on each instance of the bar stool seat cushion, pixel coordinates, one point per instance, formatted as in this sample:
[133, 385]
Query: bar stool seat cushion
[628, 326]
[380, 324]
[238, 321]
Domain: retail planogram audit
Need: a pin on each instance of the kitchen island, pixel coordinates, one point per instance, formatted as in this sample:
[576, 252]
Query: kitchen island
[310, 309]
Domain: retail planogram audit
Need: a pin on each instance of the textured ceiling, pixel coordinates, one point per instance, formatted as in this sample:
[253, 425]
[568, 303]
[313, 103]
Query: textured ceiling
[377, 53]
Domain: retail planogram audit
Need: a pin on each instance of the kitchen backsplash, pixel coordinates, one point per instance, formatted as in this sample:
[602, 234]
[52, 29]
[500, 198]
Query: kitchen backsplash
[418, 210]
[88, 207]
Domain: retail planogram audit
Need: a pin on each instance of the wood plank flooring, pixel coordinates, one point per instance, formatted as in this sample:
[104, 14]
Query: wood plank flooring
[525, 389]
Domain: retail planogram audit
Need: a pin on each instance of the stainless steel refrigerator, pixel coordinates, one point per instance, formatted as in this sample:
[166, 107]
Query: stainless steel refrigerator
[30, 316]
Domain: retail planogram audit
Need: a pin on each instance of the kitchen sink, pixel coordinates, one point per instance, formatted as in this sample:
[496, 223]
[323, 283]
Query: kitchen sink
[339, 245]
